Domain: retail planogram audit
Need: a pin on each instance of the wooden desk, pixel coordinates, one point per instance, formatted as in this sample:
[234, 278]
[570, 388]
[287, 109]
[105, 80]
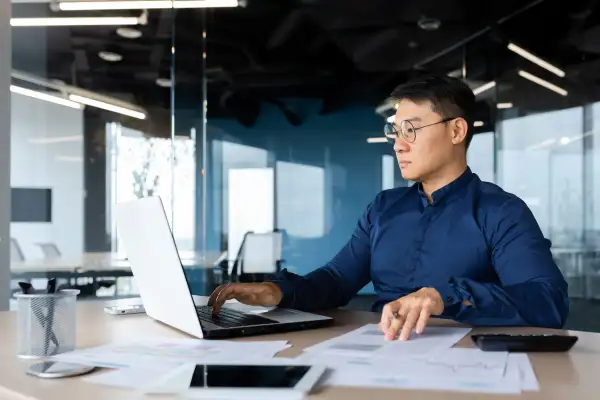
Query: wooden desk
[572, 375]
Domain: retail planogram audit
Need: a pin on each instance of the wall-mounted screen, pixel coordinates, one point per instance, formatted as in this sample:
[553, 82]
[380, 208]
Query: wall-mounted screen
[31, 205]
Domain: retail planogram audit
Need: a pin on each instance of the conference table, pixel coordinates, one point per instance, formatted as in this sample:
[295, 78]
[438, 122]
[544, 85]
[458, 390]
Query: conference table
[572, 375]
[101, 265]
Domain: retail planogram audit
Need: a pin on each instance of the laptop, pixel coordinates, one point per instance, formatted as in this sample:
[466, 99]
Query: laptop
[165, 291]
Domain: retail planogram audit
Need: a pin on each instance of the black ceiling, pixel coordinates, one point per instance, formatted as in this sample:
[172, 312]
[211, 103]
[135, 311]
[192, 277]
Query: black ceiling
[338, 51]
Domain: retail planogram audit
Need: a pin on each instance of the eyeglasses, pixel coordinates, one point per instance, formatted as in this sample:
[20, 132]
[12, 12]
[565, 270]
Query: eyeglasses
[407, 130]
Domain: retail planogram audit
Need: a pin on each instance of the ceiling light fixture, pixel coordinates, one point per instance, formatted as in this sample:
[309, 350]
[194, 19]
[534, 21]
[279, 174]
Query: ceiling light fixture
[164, 82]
[484, 88]
[45, 97]
[110, 56]
[145, 4]
[502, 106]
[73, 21]
[541, 82]
[536, 60]
[477, 124]
[107, 106]
[377, 140]
[57, 139]
[129, 33]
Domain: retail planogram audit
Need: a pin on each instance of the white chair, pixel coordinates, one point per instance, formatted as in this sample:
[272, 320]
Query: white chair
[260, 255]
[16, 254]
[50, 250]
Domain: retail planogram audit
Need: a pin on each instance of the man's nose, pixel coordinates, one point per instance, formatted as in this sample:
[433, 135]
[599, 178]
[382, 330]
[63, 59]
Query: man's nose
[400, 145]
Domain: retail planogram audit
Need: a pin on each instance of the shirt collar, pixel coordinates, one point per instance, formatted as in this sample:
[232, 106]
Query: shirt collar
[447, 190]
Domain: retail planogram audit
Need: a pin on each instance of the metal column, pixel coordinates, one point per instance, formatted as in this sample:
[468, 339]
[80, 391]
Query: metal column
[5, 67]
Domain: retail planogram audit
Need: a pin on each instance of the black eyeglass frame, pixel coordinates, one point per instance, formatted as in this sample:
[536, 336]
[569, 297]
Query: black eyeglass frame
[393, 131]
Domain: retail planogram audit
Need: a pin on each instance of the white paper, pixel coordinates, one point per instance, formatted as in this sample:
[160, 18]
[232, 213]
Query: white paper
[455, 369]
[137, 378]
[369, 341]
[169, 352]
[527, 376]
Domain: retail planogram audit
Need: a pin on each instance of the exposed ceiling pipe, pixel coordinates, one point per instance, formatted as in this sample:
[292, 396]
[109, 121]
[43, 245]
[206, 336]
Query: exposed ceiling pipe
[475, 35]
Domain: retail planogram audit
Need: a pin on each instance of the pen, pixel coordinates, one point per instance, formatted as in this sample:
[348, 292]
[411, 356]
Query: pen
[50, 289]
[27, 288]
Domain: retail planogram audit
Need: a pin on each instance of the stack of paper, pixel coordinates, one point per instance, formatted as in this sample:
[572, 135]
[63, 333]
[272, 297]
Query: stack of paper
[427, 361]
[138, 362]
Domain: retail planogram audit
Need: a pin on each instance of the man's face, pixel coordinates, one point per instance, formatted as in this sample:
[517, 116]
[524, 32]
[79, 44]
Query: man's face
[433, 146]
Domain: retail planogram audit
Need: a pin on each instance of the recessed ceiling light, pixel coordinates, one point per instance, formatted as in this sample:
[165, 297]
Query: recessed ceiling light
[429, 24]
[478, 123]
[129, 33]
[110, 56]
[164, 82]
[504, 105]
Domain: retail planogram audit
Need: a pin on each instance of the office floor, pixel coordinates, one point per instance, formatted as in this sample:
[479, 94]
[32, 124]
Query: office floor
[584, 315]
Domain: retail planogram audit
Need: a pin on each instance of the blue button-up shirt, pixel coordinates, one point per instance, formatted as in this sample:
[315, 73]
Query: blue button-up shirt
[474, 242]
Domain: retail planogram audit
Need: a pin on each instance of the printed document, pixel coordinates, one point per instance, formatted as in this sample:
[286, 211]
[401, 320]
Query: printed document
[454, 369]
[369, 341]
[171, 352]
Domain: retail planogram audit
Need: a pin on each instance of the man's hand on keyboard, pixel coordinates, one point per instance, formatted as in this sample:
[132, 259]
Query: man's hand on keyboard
[265, 294]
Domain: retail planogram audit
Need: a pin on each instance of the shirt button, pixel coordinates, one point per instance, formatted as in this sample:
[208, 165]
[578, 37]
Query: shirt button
[449, 298]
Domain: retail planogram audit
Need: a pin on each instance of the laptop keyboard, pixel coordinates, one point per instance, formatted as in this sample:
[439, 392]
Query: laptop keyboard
[229, 318]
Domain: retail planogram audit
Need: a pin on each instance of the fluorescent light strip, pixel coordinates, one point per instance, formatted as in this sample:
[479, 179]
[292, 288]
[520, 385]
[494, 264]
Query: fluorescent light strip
[46, 97]
[143, 5]
[536, 60]
[543, 83]
[477, 124]
[377, 140]
[107, 106]
[484, 87]
[504, 105]
[75, 21]
[57, 139]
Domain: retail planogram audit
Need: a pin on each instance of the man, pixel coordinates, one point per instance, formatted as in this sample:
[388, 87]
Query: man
[450, 246]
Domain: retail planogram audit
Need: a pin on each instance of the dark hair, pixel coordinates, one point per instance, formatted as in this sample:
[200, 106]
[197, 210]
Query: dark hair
[449, 97]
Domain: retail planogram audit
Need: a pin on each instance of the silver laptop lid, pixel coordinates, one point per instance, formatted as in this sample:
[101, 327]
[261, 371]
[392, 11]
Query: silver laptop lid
[155, 263]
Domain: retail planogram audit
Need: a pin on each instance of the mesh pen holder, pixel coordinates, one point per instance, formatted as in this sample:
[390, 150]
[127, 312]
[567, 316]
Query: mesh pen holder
[46, 323]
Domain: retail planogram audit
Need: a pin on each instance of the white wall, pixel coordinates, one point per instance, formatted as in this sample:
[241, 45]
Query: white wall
[47, 152]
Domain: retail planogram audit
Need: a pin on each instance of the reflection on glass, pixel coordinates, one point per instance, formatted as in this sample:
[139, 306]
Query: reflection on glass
[143, 167]
[250, 207]
[388, 166]
[480, 156]
[541, 161]
[300, 215]
[47, 153]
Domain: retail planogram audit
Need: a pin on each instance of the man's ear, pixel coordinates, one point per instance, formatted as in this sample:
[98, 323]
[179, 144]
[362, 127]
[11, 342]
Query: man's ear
[459, 130]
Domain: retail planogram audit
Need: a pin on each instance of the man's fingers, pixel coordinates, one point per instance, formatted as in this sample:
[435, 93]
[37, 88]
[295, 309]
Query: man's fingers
[214, 294]
[396, 323]
[387, 315]
[221, 297]
[423, 320]
[394, 328]
[409, 323]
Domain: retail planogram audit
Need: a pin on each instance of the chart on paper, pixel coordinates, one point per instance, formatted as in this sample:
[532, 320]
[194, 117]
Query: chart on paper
[369, 341]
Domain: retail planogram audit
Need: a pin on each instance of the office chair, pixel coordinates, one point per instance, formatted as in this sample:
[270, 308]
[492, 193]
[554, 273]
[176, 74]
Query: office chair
[16, 254]
[259, 256]
[50, 250]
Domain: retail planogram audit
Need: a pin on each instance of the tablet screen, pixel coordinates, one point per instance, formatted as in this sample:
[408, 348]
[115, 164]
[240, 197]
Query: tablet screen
[248, 376]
